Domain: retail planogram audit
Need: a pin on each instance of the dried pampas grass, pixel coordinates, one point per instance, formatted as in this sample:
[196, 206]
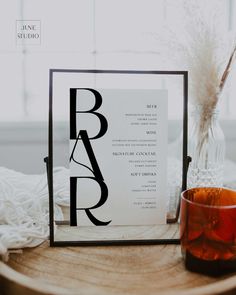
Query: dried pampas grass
[200, 44]
[206, 62]
[205, 69]
[211, 93]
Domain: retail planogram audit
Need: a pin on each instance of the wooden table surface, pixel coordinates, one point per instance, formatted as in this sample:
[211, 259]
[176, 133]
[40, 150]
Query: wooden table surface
[106, 270]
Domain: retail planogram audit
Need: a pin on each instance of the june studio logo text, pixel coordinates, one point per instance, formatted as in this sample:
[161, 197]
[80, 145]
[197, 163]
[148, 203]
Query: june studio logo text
[28, 32]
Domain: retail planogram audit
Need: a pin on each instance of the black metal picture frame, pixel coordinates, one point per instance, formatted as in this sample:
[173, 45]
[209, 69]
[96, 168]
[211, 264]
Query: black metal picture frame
[49, 159]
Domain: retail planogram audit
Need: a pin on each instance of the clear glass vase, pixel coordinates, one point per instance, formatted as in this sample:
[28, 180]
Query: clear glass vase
[206, 148]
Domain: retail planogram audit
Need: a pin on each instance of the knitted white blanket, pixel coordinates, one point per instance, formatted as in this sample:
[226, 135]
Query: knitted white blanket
[24, 212]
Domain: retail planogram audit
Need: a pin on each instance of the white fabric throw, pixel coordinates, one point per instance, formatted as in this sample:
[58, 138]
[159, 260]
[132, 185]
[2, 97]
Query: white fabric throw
[24, 211]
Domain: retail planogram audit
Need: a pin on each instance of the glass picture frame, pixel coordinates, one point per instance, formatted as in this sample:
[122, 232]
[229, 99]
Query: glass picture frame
[64, 84]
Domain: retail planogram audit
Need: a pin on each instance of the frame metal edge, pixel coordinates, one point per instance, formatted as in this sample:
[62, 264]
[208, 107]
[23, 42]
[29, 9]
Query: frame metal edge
[50, 161]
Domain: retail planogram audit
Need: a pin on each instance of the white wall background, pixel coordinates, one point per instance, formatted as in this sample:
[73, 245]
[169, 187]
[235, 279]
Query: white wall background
[108, 34]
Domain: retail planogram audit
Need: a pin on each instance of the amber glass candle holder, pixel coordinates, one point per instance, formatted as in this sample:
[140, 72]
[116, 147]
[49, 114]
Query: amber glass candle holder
[208, 230]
